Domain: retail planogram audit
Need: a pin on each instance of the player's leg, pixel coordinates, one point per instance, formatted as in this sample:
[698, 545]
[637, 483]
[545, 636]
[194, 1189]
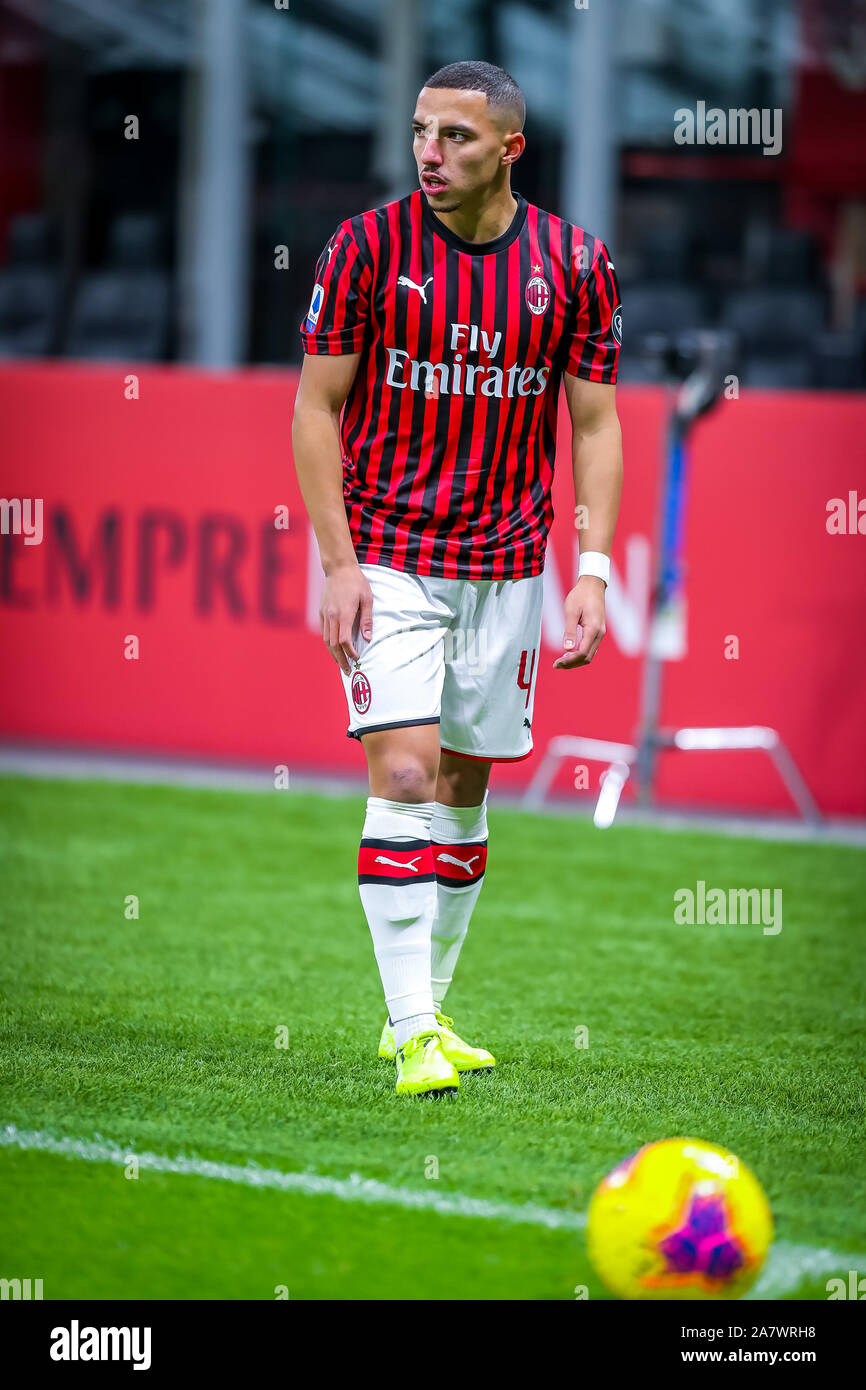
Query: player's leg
[403, 763]
[397, 883]
[459, 834]
[393, 694]
[486, 717]
[462, 781]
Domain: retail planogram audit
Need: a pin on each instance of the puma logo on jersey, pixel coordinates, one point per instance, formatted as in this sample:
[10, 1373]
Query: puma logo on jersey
[410, 285]
[461, 863]
[399, 863]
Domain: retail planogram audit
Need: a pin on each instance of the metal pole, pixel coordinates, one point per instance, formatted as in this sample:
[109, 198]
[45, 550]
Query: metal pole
[393, 162]
[665, 581]
[215, 267]
[590, 144]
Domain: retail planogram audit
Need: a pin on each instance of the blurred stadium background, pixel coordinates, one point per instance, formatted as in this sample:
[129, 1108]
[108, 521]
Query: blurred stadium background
[264, 123]
[170, 172]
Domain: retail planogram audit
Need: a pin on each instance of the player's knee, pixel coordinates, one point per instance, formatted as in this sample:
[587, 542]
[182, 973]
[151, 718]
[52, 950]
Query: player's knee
[407, 780]
[466, 782]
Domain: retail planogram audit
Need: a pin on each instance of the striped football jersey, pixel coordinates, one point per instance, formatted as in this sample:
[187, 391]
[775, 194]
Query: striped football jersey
[449, 429]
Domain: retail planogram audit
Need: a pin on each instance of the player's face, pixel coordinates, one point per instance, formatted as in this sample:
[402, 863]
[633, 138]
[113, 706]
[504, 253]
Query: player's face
[460, 147]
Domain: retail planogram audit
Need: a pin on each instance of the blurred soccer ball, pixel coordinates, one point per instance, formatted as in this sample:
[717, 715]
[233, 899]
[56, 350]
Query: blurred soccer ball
[679, 1219]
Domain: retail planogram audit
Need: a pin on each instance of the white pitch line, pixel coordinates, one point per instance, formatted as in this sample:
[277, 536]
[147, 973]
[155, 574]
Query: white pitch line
[786, 1260]
[787, 1264]
[351, 1189]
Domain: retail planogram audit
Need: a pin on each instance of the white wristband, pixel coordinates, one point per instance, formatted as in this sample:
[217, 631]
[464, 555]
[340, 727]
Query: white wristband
[593, 562]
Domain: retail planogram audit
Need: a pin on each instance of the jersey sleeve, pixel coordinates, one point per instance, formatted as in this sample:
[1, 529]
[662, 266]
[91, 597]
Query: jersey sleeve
[339, 308]
[596, 337]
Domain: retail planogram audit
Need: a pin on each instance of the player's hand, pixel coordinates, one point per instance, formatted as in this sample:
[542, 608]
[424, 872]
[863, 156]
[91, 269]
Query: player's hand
[584, 623]
[345, 611]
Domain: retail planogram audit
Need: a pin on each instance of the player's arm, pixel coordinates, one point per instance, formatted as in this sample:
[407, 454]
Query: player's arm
[347, 600]
[597, 464]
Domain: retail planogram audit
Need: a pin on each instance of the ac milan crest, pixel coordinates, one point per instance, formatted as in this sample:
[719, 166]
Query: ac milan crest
[361, 692]
[537, 292]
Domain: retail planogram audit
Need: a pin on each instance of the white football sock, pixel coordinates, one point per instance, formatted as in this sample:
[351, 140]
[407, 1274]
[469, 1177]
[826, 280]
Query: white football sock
[397, 883]
[459, 833]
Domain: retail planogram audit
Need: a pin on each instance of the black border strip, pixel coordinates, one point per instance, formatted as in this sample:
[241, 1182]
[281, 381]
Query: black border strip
[397, 724]
[370, 842]
[395, 878]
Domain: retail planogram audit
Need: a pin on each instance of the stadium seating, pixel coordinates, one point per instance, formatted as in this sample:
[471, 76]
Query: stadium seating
[123, 311]
[775, 326]
[838, 363]
[782, 256]
[29, 290]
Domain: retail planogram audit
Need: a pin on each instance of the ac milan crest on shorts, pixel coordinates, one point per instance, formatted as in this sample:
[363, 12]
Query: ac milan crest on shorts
[460, 653]
[361, 693]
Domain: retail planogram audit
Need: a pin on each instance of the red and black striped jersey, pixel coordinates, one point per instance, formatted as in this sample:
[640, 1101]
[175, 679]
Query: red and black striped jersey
[449, 428]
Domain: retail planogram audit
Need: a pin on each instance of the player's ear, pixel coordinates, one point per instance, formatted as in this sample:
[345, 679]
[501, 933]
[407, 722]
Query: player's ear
[515, 144]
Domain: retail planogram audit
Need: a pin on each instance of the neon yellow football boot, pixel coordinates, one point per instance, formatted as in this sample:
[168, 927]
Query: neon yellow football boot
[460, 1054]
[423, 1069]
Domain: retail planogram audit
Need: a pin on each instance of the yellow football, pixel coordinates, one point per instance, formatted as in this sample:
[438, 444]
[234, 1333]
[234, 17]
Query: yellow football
[679, 1218]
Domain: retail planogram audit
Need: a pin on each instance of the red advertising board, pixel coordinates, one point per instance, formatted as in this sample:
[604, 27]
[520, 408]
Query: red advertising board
[164, 608]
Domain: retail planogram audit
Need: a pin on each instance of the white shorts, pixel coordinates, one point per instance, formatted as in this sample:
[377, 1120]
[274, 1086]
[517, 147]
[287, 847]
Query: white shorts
[460, 653]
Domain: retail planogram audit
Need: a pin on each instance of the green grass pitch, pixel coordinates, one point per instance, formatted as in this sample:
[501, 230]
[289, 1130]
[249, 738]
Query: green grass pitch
[159, 1033]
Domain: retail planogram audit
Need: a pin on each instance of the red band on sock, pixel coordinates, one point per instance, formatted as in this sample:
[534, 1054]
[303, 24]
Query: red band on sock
[381, 861]
[470, 857]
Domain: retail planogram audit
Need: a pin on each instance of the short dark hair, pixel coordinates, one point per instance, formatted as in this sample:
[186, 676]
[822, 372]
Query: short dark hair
[498, 86]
